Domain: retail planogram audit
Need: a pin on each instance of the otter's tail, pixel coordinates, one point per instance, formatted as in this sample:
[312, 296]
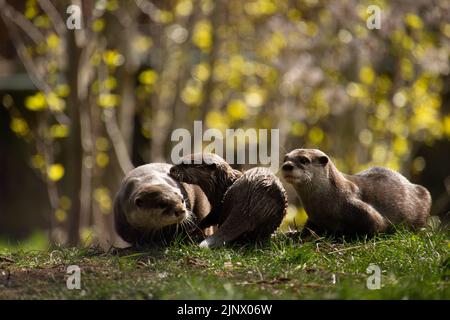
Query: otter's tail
[230, 230]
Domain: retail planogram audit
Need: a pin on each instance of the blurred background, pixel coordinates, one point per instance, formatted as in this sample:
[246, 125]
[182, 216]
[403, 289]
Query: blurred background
[81, 107]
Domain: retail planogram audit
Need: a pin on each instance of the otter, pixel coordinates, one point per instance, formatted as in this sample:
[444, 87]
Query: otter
[372, 201]
[153, 208]
[246, 206]
[213, 175]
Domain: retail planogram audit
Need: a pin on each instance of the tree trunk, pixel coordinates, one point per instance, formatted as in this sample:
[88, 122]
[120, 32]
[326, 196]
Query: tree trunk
[74, 148]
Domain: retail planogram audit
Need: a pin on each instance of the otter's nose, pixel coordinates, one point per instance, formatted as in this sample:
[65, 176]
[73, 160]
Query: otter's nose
[179, 212]
[288, 166]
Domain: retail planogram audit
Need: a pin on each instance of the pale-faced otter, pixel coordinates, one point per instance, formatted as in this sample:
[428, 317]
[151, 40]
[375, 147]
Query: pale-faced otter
[152, 207]
[372, 201]
[246, 206]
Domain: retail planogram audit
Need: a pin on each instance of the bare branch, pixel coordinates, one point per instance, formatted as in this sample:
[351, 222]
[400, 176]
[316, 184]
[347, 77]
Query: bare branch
[147, 8]
[86, 33]
[20, 20]
[53, 14]
[114, 133]
[117, 140]
[32, 71]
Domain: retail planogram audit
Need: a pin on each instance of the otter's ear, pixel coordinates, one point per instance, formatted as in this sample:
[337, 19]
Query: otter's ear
[323, 160]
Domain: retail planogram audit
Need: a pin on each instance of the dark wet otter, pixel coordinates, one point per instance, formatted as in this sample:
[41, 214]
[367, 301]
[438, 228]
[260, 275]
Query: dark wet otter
[246, 206]
[152, 207]
[213, 175]
[372, 201]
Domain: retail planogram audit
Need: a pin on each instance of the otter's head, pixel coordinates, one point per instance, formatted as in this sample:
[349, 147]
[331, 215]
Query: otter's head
[199, 168]
[151, 207]
[305, 167]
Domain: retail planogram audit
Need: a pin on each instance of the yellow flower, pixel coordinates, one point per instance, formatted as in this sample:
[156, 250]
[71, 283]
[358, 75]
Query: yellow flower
[413, 21]
[112, 58]
[148, 77]
[184, 8]
[55, 172]
[298, 129]
[237, 109]
[102, 159]
[215, 119]
[98, 25]
[202, 72]
[202, 36]
[36, 102]
[192, 93]
[59, 131]
[367, 75]
[108, 100]
[55, 103]
[103, 198]
[53, 41]
[19, 126]
[60, 215]
[62, 90]
[37, 161]
[316, 135]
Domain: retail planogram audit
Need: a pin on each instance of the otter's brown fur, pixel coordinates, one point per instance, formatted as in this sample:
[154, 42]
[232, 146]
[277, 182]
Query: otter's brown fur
[213, 175]
[153, 208]
[247, 206]
[372, 201]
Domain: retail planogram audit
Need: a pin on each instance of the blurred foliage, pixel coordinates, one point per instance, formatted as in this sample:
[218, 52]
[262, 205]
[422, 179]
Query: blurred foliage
[309, 67]
[295, 219]
[36, 241]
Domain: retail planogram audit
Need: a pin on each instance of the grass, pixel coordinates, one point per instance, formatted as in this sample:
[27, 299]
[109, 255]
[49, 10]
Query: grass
[413, 266]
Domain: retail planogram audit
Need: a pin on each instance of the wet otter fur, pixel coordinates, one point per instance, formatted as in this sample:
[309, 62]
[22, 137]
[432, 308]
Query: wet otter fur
[247, 206]
[372, 201]
[213, 175]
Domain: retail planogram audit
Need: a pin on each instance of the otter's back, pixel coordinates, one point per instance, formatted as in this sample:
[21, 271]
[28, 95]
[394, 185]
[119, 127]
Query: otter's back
[393, 195]
[260, 199]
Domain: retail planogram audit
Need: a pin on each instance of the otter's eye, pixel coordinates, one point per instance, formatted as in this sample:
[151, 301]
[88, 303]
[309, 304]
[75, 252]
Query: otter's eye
[304, 160]
[139, 203]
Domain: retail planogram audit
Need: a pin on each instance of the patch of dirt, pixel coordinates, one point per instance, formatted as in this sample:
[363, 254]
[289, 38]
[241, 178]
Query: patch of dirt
[22, 283]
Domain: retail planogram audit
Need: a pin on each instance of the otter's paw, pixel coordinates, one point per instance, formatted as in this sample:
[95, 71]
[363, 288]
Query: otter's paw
[211, 243]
